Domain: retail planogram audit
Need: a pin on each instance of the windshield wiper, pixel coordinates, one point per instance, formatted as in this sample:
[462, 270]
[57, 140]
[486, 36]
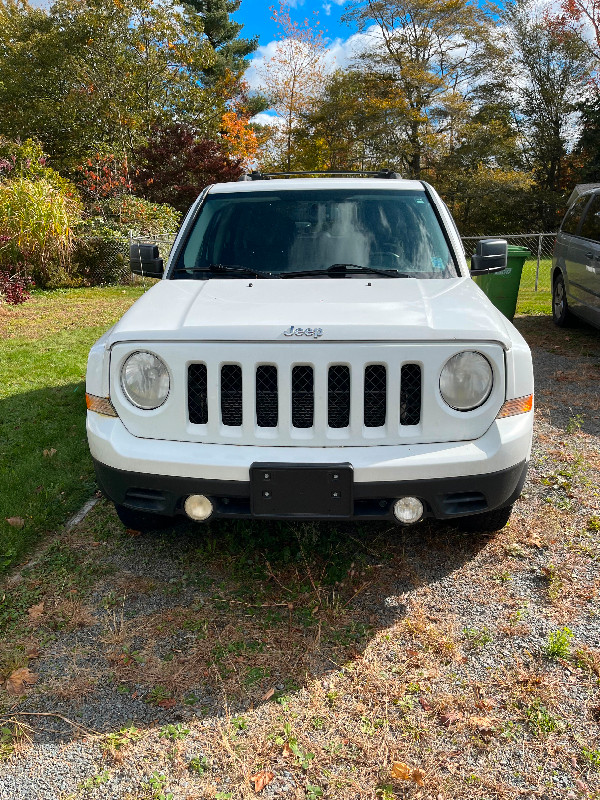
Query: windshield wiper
[345, 269]
[228, 269]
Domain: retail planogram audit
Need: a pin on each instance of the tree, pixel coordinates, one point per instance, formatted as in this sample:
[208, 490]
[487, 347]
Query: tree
[86, 76]
[436, 51]
[174, 166]
[223, 35]
[554, 67]
[292, 80]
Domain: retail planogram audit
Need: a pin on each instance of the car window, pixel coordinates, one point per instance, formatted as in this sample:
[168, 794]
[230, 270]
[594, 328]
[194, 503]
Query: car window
[293, 230]
[590, 228]
[573, 215]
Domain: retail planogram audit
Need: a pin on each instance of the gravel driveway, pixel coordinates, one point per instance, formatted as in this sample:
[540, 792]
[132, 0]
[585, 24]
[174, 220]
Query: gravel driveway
[313, 661]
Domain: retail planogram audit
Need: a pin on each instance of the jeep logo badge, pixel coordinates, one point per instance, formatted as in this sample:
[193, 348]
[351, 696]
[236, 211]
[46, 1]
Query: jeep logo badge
[313, 333]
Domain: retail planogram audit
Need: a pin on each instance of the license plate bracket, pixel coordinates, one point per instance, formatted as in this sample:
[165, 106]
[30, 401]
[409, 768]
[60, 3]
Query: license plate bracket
[301, 490]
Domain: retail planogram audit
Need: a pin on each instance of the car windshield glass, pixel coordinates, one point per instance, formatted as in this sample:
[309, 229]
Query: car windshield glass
[274, 232]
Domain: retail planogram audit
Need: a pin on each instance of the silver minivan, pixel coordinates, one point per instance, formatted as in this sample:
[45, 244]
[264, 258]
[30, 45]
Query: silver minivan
[576, 260]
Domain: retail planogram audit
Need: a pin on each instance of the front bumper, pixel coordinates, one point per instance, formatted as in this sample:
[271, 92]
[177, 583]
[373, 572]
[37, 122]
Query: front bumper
[452, 479]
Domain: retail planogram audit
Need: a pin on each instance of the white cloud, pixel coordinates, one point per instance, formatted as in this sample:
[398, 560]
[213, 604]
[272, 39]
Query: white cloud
[264, 118]
[340, 53]
[327, 8]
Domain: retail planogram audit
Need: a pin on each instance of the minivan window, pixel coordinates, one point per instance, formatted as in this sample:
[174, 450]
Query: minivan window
[573, 215]
[590, 228]
[274, 232]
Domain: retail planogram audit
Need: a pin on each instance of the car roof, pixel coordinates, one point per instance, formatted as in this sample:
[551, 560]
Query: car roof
[289, 184]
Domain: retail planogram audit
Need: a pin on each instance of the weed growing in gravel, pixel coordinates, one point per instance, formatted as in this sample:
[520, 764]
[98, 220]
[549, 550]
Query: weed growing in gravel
[198, 765]
[574, 424]
[173, 732]
[313, 792]
[477, 638]
[540, 720]
[554, 582]
[122, 738]
[593, 524]
[591, 756]
[158, 695]
[156, 787]
[385, 792]
[559, 643]
[10, 736]
[95, 780]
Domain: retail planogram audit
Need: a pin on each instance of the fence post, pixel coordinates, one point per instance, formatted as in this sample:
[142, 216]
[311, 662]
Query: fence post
[539, 255]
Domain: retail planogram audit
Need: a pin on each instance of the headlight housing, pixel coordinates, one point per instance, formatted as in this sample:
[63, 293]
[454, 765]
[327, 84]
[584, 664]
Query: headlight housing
[466, 380]
[145, 380]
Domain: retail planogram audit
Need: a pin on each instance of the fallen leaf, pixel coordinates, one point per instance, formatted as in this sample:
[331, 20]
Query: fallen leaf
[287, 751]
[50, 452]
[450, 716]
[133, 533]
[33, 651]
[268, 695]
[35, 613]
[261, 779]
[424, 704]
[18, 681]
[169, 703]
[482, 724]
[401, 771]
[418, 777]
[16, 522]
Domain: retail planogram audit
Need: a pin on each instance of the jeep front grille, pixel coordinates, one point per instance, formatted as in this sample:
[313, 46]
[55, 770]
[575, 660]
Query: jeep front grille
[263, 385]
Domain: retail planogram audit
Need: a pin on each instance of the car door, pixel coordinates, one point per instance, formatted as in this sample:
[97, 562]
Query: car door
[584, 263]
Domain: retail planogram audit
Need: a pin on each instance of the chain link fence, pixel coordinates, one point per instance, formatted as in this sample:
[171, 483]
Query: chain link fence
[111, 261]
[540, 245]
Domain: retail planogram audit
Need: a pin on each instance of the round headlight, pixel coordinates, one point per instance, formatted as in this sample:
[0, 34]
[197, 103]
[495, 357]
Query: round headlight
[466, 381]
[145, 380]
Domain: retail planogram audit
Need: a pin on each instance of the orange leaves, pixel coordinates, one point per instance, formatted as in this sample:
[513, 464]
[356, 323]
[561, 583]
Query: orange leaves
[241, 140]
[402, 772]
[35, 613]
[261, 779]
[19, 681]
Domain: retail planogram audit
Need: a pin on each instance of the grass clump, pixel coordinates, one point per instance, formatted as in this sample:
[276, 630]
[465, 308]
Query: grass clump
[558, 644]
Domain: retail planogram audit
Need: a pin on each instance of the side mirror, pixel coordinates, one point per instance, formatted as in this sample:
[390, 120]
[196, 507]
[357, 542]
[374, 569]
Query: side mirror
[490, 256]
[145, 260]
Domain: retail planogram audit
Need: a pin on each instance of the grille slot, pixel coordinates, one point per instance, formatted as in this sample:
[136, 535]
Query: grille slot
[338, 396]
[231, 395]
[375, 395]
[197, 394]
[303, 397]
[266, 397]
[410, 394]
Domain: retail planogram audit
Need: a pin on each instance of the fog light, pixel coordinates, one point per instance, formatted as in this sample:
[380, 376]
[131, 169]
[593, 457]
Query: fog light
[408, 510]
[198, 507]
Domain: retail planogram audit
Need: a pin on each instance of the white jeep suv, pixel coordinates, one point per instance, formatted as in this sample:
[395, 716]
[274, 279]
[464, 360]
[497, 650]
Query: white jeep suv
[316, 349]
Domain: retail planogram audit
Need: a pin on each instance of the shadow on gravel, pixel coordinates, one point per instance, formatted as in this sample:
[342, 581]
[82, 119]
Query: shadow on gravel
[567, 372]
[209, 622]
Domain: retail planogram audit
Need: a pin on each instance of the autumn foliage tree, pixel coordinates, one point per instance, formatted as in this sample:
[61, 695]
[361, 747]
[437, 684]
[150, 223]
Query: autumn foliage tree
[175, 165]
[292, 79]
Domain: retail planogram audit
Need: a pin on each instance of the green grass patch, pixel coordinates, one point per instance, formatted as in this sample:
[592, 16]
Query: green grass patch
[531, 302]
[45, 469]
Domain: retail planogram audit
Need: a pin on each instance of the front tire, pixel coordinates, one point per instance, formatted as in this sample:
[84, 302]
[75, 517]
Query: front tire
[488, 522]
[561, 313]
[141, 520]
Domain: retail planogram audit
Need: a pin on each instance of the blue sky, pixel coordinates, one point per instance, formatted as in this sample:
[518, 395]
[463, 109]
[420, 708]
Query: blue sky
[255, 15]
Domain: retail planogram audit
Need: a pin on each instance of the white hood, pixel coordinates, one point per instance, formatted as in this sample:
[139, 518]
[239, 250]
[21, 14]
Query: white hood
[344, 309]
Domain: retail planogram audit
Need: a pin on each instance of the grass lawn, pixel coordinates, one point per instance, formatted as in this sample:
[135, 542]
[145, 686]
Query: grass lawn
[530, 301]
[45, 469]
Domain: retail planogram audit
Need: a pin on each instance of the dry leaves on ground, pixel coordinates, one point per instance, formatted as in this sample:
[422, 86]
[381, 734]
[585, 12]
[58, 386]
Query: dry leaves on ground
[18, 681]
[16, 522]
[403, 772]
[261, 779]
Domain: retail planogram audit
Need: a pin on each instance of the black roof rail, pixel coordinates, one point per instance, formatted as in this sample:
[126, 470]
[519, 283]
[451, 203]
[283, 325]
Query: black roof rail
[265, 176]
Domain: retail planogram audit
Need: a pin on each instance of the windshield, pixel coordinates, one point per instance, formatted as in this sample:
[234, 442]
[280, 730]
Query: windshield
[299, 231]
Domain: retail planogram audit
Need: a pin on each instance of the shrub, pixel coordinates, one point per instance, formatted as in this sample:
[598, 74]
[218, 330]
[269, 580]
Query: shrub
[14, 287]
[142, 217]
[37, 218]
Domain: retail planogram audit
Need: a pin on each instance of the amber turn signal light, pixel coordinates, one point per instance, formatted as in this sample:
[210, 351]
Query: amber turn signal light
[101, 405]
[520, 405]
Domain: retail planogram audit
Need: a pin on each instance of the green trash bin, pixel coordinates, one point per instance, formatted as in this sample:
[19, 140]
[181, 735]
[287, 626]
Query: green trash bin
[503, 287]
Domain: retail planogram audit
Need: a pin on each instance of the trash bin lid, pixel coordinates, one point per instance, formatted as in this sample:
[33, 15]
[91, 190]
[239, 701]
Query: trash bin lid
[517, 250]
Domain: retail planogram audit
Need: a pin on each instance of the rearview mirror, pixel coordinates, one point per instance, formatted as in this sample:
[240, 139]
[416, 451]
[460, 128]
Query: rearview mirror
[145, 260]
[490, 256]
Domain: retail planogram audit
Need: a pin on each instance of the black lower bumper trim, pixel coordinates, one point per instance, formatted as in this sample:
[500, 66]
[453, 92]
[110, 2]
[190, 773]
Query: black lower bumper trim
[443, 498]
